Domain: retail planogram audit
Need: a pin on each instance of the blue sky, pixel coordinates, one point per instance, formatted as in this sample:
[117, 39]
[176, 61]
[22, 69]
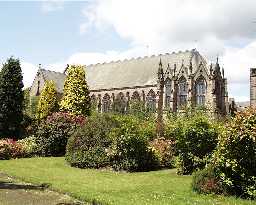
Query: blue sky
[39, 36]
[57, 32]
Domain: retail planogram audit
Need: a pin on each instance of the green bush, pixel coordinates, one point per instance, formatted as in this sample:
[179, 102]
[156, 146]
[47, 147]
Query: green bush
[206, 181]
[87, 146]
[235, 158]
[53, 133]
[121, 142]
[196, 138]
[130, 149]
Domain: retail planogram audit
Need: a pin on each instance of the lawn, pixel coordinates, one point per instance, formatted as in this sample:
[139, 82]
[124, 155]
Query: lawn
[158, 187]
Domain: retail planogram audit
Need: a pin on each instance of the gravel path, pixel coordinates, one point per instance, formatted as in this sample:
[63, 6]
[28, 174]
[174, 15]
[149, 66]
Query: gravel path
[14, 192]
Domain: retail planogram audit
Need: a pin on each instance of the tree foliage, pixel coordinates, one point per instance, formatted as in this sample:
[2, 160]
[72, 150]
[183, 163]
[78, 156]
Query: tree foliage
[48, 102]
[11, 99]
[76, 97]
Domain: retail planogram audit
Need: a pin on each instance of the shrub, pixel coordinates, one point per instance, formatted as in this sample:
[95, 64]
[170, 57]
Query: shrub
[130, 148]
[10, 149]
[235, 157]
[112, 140]
[87, 146]
[165, 149]
[53, 133]
[29, 146]
[5, 149]
[206, 181]
[48, 102]
[75, 92]
[196, 138]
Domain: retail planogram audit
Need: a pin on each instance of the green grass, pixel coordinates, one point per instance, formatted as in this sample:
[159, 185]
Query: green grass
[158, 187]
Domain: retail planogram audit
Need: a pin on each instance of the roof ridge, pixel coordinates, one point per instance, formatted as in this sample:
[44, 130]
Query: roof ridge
[142, 57]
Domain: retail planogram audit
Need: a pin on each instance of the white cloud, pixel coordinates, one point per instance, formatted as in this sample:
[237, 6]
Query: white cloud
[29, 71]
[224, 28]
[221, 28]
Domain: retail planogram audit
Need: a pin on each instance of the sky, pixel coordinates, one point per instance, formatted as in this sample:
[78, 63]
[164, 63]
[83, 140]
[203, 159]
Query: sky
[55, 33]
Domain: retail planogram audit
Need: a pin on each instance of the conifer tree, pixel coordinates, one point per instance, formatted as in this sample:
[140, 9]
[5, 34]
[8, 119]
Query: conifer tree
[11, 99]
[76, 97]
[48, 102]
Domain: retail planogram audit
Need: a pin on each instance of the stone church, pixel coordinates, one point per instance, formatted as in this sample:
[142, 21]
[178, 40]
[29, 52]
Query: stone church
[189, 80]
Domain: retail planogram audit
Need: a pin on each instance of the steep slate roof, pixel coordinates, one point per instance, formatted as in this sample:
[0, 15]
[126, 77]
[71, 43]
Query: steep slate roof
[128, 73]
[57, 77]
[137, 72]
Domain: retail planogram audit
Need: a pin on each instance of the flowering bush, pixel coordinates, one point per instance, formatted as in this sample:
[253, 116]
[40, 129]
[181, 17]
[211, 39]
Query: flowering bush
[29, 146]
[10, 149]
[206, 181]
[165, 149]
[53, 133]
[5, 149]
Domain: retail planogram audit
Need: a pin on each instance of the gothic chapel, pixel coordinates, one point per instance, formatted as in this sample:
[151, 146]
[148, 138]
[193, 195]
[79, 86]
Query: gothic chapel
[188, 81]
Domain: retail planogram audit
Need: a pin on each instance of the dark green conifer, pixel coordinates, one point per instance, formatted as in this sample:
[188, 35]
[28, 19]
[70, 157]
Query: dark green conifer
[11, 99]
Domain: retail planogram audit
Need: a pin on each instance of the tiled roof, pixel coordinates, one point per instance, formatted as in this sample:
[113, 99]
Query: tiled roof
[129, 73]
[57, 77]
[137, 72]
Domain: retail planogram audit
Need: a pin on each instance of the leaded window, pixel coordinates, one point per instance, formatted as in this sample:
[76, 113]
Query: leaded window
[182, 92]
[151, 101]
[168, 92]
[106, 103]
[200, 92]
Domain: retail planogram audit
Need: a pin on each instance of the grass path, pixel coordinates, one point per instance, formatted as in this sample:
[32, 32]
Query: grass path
[158, 187]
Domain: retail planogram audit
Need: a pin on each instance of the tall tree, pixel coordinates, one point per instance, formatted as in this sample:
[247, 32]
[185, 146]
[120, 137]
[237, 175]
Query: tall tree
[11, 99]
[76, 97]
[48, 102]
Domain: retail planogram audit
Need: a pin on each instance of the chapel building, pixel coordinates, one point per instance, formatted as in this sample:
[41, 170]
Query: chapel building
[189, 80]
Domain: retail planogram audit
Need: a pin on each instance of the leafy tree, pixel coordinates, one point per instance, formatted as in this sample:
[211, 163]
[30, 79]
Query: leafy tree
[76, 97]
[11, 99]
[48, 100]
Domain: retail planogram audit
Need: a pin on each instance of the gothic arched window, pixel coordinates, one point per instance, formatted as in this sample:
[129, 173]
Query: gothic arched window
[135, 96]
[120, 103]
[106, 102]
[182, 92]
[151, 101]
[168, 92]
[200, 91]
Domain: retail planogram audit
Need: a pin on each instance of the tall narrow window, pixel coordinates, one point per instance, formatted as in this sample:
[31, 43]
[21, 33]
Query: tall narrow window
[168, 92]
[106, 102]
[182, 92]
[120, 103]
[200, 92]
[135, 96]
[151, 101]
